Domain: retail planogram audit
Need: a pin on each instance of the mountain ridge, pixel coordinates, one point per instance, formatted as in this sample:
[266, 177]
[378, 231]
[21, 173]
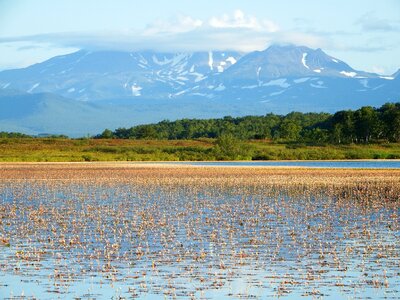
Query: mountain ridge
[128, 88]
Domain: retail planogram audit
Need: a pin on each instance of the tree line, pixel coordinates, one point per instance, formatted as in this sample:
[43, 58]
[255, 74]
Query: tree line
[365, 125]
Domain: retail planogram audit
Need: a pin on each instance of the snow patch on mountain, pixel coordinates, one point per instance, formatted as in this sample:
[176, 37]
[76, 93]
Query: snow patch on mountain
[318, 86]
[301, 80]
[223, 65]
[33, 87]
[258, 76]
[348, 74]
[136, 90]
[303, 60]
[142, 60]
[220, 88]
[277, 93]
[231, 59]
[180, 93]
[199, 76]
[208, 96]
[364, 83]
[210, 60]
[5, 85]
[178, 58]
[249, 87]
[378, 87]
[258, 71]
[281, 82]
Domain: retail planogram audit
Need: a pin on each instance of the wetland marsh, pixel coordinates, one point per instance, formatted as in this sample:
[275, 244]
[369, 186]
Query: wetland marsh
[128, 231]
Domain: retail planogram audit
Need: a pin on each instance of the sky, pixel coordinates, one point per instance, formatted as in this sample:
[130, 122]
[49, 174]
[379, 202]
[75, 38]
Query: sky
[363, 33]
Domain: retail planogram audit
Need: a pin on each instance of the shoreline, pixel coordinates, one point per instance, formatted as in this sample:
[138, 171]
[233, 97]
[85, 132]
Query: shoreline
[197, 161]
[240, 164]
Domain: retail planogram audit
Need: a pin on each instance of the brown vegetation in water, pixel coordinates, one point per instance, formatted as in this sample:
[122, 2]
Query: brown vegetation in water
[180, 231]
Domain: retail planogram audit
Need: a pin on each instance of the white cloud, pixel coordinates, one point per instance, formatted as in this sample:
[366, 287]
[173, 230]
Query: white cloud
[378, 70]
[370, 22]
[20, 54]
[240, 20]
[177, 25]
[303, 39]
[231, 31]
[236, 31]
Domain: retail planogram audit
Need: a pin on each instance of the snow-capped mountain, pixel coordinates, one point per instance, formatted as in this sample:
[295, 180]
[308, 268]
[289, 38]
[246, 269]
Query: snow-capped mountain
[108, 74]
[286, 78]
[141, 87]
[290, 61]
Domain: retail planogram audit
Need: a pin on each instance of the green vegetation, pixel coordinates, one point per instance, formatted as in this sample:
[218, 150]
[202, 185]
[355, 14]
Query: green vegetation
[223, 148]
[367, 133]
[364, 125]
[4, 135]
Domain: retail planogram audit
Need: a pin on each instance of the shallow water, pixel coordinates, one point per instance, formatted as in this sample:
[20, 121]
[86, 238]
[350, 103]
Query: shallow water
[110, 240]
[350, 164]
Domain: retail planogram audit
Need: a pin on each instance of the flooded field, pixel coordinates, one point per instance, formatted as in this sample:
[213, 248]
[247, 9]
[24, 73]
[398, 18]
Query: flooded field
[124, 231]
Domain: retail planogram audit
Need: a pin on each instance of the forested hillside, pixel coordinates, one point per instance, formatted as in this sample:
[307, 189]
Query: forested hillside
[364, 125]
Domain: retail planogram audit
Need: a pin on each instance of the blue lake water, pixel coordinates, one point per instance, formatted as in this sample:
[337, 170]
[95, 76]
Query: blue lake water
[350, 164]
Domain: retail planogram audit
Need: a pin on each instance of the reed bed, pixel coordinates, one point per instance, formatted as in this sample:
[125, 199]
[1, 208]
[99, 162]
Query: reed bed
[198, 232]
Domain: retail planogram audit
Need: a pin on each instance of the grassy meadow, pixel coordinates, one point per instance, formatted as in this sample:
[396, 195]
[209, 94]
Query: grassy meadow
[75, 150]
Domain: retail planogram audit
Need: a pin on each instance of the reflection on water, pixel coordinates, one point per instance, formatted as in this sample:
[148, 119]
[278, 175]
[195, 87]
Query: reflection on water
[88, 240]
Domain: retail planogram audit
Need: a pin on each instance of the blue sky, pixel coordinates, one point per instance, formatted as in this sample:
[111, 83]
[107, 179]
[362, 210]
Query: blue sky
[364, 33]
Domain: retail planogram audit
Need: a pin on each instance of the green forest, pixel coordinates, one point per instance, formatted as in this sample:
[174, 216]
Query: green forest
[364, 125]
[366, 133]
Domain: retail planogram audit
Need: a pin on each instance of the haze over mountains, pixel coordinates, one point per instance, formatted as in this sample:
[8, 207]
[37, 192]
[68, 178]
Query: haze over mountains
[85, 92]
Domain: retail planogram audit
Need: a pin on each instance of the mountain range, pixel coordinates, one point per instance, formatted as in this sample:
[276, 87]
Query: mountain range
[85, 92]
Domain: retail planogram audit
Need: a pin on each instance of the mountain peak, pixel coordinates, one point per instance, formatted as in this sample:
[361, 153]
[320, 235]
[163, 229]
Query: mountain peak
[279, 61]
[396, 74]
[286, 48]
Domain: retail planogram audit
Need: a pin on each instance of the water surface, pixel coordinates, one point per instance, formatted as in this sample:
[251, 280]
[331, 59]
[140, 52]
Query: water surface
[359, 164]
[198, 236]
